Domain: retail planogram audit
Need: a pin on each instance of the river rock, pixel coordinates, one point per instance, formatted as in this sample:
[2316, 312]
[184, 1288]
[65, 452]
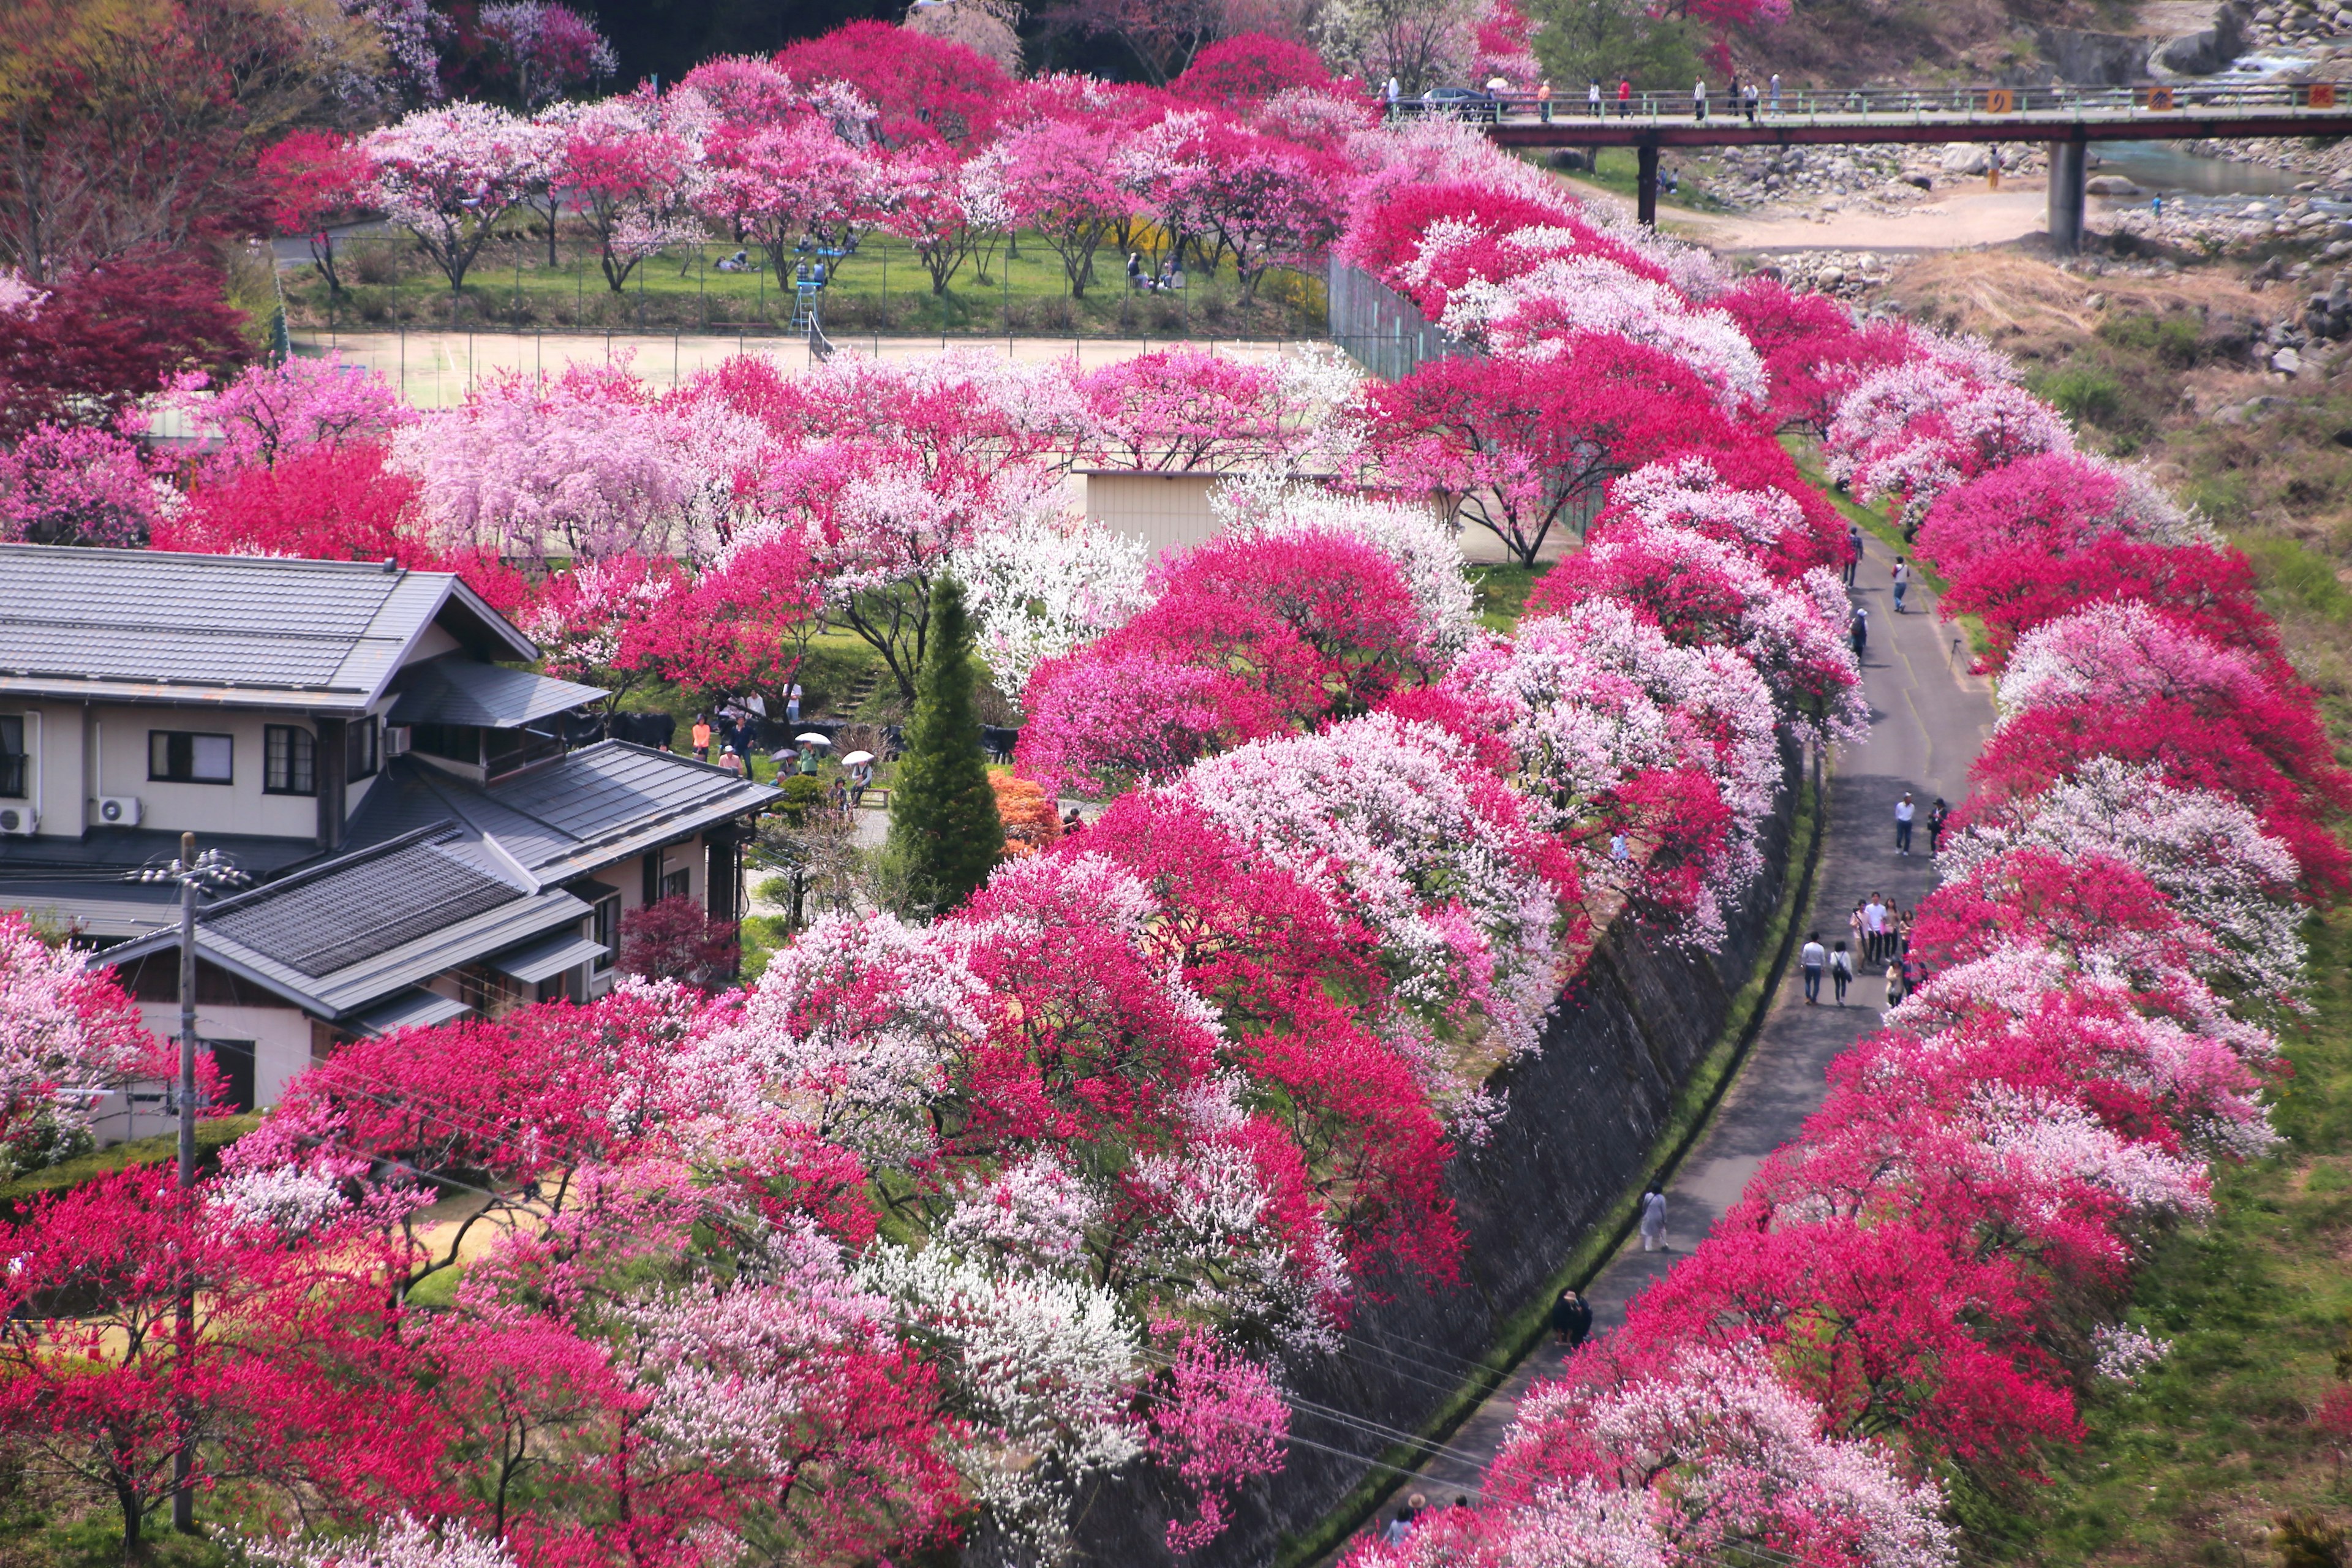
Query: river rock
[2286, 361]
[1966, 158]
[2110, 185]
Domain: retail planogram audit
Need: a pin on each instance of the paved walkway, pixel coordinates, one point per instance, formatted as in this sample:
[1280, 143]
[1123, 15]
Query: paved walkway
[1927, 724]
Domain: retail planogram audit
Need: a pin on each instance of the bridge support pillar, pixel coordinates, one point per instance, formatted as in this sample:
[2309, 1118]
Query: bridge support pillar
[2069, 162]
[1646, 201]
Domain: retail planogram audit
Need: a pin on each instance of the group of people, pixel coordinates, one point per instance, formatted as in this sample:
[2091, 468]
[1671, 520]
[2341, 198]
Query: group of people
[1906, 811]
[1140, 276]
[1401, 1523]
[1746, 97]
[1881, 933]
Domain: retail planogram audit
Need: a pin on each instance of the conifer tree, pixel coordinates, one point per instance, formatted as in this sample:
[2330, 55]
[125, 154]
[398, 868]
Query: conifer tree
[945, 835]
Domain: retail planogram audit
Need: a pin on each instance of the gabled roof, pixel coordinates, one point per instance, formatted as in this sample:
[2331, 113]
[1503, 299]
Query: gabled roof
[454, 689]
[349, 935]
[568, 816]
[236, 631]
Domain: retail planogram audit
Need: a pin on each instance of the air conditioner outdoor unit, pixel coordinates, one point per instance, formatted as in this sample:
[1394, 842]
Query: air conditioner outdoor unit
[395, 739]
[119, 810]
[18, 819]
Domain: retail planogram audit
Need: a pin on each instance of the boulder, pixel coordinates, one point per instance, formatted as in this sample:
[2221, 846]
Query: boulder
[2286, 361]
[2110, 185]
[1967, 158]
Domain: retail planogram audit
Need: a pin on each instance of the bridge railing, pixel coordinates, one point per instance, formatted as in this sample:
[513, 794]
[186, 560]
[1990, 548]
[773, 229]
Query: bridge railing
[1960, 105]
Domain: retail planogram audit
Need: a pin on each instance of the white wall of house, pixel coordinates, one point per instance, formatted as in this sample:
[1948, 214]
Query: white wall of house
[282, 1049]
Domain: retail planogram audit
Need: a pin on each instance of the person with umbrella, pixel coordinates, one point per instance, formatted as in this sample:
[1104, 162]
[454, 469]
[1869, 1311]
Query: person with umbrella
[810, 743]
[860, 767]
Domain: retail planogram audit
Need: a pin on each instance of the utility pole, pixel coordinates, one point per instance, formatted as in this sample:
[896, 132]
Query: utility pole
[211, 871]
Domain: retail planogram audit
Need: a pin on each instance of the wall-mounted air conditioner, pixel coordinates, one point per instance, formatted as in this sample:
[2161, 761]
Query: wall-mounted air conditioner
[117, 810]
[18, 819]
[396, 741]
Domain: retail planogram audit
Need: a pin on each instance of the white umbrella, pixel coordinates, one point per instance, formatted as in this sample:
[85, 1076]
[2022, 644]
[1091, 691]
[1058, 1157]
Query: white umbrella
[814, 738]
[856, 757]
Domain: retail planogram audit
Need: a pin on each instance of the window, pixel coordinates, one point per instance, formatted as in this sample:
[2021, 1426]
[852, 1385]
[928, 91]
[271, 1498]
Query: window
[677, 884]
[457, 742]
[608, 930]
[175, 756]
[289, 760]
[360, 740]
[11, 757]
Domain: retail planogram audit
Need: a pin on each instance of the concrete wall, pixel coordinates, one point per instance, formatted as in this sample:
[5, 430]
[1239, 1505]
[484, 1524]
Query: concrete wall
[1583, 1117]
[1169, 510]
[281, 1051]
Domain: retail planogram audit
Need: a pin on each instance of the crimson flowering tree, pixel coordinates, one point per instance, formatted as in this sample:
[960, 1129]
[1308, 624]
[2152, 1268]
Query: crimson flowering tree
[950, 208]
[309, 177]
[1521, 445]
[1811, 346]
[1259, 635]
[1241, 72]
[2058, 504]
[1266, 202]
[2207, 589]
[633, 166]
[68, 484]
[106, 1383]
[925, 88]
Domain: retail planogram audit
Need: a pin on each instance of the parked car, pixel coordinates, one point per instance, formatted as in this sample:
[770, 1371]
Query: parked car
[1462, 103]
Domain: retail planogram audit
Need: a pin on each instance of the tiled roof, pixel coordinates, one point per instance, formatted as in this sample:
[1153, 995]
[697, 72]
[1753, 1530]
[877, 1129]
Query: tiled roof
[144, 625]
[458, 690]
[348, 935]
[318, 923]
[567, 817]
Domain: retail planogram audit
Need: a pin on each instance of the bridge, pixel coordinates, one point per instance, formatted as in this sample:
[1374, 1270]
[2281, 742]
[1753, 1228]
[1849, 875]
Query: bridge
[2068, 118]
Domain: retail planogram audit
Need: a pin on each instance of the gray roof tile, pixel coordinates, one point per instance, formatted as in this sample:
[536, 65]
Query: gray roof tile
[155, 626]
[458, 690]
[319, 923]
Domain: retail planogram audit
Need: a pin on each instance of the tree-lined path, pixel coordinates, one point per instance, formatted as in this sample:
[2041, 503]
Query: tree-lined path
[1928, 722]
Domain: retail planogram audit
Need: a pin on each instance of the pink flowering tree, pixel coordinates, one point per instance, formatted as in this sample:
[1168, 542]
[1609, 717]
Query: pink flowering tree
[1266, 202]
[950, 208]
[271, 412]
[69, 1036]
[1064, 176]
[450, 174]
[77, 485]
[537, 50]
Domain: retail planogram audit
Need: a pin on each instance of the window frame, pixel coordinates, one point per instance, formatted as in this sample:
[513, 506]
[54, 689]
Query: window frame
[684, 879]
[363, 748]
[604, 926]
[20, 775]
[171, 740]
[299, 739]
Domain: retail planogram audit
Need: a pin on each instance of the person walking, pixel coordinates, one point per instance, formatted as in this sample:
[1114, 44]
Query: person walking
[1653, 1221]
[1903, 919]
[1902, 581]
[1873, 930]
[1894, 984]
[1815, 958]
[1699, 99]
[1747, 102]
[1840, 971]
[1903, 812]
[1624, 96]
[1776, 93]
[1855, 926]
[1859, 634]
[1571, 1318]
[792, 703]
[1395, 91]
[1853, 551]
[1937, 815]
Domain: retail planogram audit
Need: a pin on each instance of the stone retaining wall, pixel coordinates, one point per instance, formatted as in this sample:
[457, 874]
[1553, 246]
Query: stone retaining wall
[1583, 1117]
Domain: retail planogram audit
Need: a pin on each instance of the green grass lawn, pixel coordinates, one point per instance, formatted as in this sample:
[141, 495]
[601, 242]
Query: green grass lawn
[1502, 592]
[883, 288]
[2196, 1464]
